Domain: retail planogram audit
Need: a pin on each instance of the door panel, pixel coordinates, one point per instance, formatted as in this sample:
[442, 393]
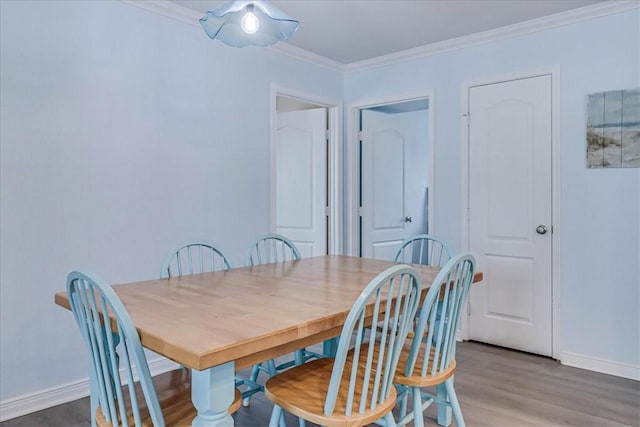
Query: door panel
[294, 189]
[394, 179]
[383, 184]
[500, 301]
[301, 189]
[509, 196]
[387, 167]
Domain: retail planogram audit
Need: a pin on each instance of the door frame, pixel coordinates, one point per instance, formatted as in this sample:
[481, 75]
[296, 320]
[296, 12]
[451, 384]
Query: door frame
[334, 161]
[353, 166]
[556, 255]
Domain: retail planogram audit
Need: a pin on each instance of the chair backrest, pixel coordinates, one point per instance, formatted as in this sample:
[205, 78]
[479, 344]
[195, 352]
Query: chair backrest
[269, 248]
[435, 333]
[198, 256]
[114, 345]
[390, 301]
[424, 249]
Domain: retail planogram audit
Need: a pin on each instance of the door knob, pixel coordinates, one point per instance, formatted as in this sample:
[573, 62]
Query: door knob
[541, 229]
[408, 219]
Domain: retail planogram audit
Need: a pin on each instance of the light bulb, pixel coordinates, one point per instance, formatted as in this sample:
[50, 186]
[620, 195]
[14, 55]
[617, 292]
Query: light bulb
[250, 23]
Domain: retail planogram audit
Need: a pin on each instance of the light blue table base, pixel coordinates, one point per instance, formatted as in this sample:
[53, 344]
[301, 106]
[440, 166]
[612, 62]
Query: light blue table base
[330, 346]
[212, 392]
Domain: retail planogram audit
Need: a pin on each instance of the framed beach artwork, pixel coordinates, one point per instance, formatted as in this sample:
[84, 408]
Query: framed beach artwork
[613, 129]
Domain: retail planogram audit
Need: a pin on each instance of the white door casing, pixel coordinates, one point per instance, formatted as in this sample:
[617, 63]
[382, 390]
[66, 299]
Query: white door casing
[394, 180]
[510, 195]
[301, 179]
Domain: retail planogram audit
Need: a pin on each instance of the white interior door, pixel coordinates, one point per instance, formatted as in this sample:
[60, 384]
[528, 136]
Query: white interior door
[301, 179]
[394, 180]
[509, 211]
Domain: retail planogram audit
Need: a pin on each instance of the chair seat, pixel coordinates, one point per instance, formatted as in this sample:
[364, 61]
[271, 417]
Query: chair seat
[302, 391]
[174, 395]
[417, 380]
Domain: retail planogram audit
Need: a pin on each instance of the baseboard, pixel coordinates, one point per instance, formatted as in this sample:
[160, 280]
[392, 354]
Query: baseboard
[619, 369]
[43, 399]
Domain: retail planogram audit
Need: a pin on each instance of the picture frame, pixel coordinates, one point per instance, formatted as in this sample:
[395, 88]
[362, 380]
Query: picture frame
[613, 129]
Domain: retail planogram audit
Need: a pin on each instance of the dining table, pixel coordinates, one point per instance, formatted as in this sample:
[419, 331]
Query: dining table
[220, 322]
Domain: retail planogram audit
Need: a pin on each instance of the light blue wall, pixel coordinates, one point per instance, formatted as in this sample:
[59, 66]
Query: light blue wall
[122, 133]
[600, 230]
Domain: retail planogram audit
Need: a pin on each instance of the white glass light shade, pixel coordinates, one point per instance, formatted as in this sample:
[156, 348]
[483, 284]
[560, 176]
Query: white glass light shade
[232, 23]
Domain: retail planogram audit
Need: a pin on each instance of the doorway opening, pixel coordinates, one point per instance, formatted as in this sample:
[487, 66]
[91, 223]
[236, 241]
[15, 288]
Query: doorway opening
[391, 152]
[305, 192]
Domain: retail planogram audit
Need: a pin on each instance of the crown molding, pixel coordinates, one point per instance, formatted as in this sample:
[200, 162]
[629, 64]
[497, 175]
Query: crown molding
[168, 9]
[527, 27]
[304, 55]
[191, 17]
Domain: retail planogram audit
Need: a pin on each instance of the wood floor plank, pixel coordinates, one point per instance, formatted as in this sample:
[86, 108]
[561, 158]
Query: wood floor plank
[495, 386]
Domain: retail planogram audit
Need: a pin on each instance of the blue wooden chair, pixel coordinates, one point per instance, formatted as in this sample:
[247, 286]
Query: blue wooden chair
[429, 359]
[355, 388]
[198, 256]
[424, 249]
[101, 316]
[201, 256]
[265, 249]
[269, 248]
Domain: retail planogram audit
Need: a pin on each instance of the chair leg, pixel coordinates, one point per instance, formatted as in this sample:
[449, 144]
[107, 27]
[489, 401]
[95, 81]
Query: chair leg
[255, 371]
[276, 416]
[389, 420]
[455, 405]
[404, 397]
[444, 411]
[418, 416]
[271, 367]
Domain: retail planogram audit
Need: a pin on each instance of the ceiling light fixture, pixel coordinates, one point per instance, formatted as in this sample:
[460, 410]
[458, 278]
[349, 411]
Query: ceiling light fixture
[248, 22]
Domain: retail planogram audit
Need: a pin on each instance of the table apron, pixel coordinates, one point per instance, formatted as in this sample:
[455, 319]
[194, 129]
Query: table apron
[272, 353]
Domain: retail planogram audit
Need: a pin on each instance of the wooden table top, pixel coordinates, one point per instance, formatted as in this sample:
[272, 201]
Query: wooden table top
[248, 314]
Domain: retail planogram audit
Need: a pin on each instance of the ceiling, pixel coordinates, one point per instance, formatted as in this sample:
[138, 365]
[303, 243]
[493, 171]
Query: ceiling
[348, 31]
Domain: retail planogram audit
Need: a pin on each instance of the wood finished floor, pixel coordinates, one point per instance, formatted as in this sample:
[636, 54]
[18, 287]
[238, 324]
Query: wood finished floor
[495, 386]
